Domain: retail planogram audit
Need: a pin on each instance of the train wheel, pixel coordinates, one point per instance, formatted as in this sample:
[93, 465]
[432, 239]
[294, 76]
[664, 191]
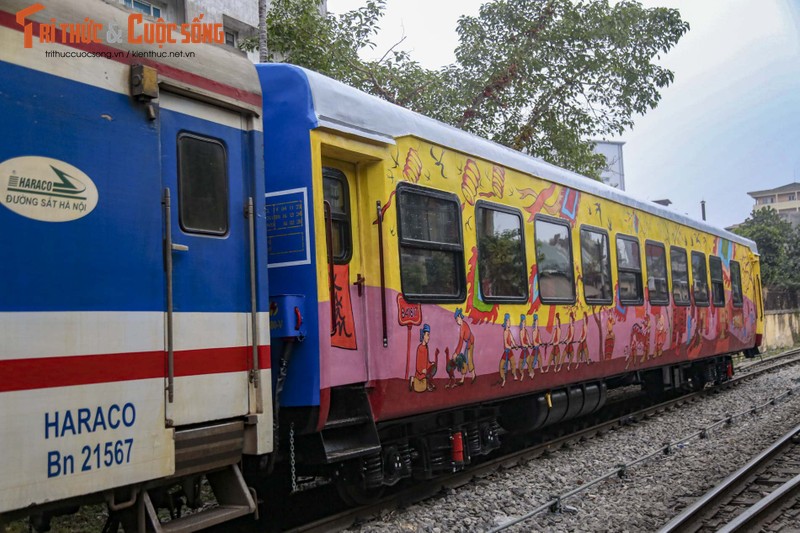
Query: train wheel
[354, 494]
[359, 482]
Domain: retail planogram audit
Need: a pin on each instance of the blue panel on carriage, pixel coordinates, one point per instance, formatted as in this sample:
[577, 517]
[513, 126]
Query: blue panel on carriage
[213, 275]
[288, 118]
[287, 228]
[109, 259]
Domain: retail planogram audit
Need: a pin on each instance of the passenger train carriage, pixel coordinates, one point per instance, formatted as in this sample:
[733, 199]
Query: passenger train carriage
[175, 229]
[135, 342]
[453, 275]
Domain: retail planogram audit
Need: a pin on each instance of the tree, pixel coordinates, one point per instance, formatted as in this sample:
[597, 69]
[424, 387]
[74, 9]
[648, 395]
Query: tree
[263, 54]
[540, 76]
[779, 247]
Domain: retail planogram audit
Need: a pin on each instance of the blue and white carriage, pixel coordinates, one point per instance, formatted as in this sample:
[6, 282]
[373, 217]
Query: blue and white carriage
[133, 314]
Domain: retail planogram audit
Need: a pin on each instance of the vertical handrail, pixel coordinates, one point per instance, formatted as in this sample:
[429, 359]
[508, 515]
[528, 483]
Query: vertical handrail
[760, 295]
[250, 214]
[166, 202]
[329, 243]
[383, 279]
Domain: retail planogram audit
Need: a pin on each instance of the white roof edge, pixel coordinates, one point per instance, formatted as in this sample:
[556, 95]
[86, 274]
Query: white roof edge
[210, 63]
[339, 106]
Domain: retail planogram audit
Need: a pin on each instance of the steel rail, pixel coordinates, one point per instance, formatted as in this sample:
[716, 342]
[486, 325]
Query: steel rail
[693, 517]
[766, 508]
[407, 496]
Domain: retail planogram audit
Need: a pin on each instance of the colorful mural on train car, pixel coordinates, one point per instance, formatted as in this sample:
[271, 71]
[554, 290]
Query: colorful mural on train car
[472, 350]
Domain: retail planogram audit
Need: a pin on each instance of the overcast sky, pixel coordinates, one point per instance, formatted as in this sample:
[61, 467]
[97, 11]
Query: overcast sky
[729, 124]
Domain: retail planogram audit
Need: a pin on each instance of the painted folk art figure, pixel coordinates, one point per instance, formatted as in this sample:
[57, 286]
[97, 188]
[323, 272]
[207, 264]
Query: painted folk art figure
[463, 359]
[555, 342]
[536, 347]
[608, 348]
[583, 347]
[507, 359]
[569, 350]
[422, 380]
[661, 335]
[525, 348]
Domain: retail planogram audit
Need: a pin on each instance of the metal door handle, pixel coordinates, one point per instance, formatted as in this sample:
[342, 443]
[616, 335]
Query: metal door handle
[179, 247]
[359, 282]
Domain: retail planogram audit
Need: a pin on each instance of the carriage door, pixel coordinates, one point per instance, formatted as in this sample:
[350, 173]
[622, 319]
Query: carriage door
[204, 174]
[346, 268]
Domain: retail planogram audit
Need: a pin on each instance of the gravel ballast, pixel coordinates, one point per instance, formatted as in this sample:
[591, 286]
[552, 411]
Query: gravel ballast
[650, 495]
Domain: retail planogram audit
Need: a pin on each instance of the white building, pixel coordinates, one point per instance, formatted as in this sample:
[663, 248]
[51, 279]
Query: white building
[785, 200]
[614, 173]
[238, 17]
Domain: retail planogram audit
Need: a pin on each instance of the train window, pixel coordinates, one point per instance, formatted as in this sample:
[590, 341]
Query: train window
[202, 185]
[680, 276]
[556, 272]
[431, 249]
[629, 270]
[501, 254]
[596, 263]
[336, 193]
[656, 259]
[699, 279]
[717, 285]
[736, 284]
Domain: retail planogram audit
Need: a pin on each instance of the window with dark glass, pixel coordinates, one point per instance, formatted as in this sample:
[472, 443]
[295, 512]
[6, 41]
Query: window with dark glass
[699, 279]
[554, 261]
[596, 263]
[431, 249]
[629, 270]
[717, 285]
[230, 38]
[202, 185]
[336, 193]
[501, 254]
[143, 7]
[680, 276]
[657, 287]
[736, 284]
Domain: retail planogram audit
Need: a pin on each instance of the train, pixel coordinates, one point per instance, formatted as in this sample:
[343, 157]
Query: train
[258, 277]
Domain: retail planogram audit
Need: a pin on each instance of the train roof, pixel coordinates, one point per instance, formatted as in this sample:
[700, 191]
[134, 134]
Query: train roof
[340, 107]
[212, 72]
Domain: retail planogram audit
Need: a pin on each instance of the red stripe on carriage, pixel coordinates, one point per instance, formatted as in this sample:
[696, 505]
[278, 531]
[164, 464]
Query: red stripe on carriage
[51, 372]
[9, 21]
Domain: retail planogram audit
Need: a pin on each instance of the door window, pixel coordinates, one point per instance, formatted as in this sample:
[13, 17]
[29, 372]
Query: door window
[337, 194]
[202, 185]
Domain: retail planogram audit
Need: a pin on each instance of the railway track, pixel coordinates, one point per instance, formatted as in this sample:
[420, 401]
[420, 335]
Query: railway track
[761, 496]
[621, 414]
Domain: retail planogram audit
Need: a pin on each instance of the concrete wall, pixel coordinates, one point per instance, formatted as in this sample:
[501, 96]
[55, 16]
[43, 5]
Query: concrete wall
[237, 16]
[781, 329]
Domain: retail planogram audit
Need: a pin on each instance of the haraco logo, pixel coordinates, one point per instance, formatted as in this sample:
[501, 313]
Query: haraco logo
[140, 31]
[46, 189]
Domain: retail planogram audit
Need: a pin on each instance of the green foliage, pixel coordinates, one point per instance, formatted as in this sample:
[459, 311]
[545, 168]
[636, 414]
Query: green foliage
[779, 247]
[539, 76]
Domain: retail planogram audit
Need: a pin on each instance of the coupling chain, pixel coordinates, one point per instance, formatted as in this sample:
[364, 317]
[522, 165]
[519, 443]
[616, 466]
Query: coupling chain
[292, 458]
